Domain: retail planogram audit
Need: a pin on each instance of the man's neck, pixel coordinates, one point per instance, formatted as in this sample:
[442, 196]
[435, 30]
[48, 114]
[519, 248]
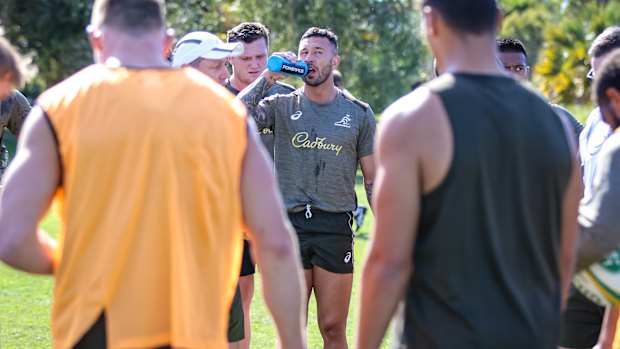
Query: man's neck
[321, 94]
[128, 52]
[475, 56]
[236, 83]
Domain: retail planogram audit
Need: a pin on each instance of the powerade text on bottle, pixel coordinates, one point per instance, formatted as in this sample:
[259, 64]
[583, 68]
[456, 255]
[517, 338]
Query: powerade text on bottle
[278, 64]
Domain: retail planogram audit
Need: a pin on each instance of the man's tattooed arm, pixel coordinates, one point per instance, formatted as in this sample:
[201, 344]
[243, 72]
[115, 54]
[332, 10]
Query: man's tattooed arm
[368, 186]
[253, 94]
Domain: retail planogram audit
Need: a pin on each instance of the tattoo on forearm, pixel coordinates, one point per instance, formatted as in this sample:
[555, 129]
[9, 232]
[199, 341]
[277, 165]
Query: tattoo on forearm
[253, 94]
[369, 187]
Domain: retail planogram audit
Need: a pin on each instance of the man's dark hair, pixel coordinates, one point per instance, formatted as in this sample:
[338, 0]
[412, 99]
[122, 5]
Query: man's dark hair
[607, 77]
[322, 33]
[511, 45]
[468, 16]
[248, 32]
[135, 17]
[606, 42]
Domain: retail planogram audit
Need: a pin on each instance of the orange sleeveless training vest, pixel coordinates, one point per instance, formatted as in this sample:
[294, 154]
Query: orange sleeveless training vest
[150, 206]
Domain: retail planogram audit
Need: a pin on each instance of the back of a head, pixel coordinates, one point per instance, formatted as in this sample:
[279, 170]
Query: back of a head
[135, 17]
[510, 45]
[467, 16]
[11, 64]
[248, 32]
[608, 77]
[606, 42]
[322, 33]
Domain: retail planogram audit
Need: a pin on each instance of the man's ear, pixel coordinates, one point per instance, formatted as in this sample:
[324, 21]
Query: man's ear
[168, 43]
[430, 21]
[614, 99]
[335, 61]
[94, 38]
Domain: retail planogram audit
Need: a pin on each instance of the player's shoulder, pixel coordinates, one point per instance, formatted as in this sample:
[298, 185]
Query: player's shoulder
[528, 93]
[75, 85]
[411, 107]
[407, 122]
[17, 98]
[283, 98]
[559, 109]
[611, 147]
[347, 96]
[19, 105]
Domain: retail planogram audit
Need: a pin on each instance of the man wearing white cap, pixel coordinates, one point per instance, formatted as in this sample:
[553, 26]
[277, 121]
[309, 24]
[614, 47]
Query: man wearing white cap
[205, 52]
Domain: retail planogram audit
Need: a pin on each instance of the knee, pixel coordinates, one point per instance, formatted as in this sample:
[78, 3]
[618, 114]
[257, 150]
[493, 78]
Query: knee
[333, 330]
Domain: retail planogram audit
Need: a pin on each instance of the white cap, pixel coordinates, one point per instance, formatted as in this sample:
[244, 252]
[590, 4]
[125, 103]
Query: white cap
[201, 44]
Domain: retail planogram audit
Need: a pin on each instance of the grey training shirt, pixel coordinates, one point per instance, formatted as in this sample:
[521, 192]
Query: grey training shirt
[13, 111]
[266, 135]
[317, 148]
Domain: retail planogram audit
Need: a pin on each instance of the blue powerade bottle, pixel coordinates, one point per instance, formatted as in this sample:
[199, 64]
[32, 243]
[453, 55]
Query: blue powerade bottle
[278, 64]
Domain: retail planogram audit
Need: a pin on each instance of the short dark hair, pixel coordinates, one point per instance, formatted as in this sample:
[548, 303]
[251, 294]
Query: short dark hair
[511, 45]
[135, 17]
[606, 42]
[248, 32]
[11, 63]
[607, 77]
[469, 16]
[322, 33]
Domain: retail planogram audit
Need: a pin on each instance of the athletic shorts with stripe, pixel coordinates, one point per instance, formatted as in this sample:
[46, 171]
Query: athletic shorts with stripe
[325, 240]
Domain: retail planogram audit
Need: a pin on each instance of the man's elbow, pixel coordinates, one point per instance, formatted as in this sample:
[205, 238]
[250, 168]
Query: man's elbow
[277, 246]
[387, 269]
[594, 244]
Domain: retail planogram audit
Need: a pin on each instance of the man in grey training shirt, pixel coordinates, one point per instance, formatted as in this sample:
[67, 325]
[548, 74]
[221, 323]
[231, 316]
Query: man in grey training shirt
[320, 135]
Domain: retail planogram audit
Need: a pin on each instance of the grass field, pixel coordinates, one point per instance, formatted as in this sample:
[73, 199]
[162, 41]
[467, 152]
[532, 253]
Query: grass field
[25, 300]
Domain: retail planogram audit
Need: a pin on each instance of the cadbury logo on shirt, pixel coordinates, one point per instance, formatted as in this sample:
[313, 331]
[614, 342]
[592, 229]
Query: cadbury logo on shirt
[300, 140]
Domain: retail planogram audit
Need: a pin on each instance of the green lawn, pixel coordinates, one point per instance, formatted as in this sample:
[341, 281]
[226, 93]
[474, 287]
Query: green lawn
[25, 300]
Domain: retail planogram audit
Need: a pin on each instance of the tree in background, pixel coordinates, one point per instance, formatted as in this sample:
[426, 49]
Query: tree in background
[380, 42]
[526, 20]
[557, 34]
[379, 39]
[52, 32]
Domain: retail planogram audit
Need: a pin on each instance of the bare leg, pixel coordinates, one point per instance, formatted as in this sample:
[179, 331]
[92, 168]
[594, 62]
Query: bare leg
[333, 294]
[608, 329]
[246, 283]
[309, 280]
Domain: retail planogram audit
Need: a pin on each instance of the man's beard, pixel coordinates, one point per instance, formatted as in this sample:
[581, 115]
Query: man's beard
[320, 78]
